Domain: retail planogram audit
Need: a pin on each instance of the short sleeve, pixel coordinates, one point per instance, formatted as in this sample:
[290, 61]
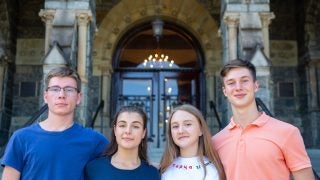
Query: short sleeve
[13, 155]
[294, 151]
[101, 145]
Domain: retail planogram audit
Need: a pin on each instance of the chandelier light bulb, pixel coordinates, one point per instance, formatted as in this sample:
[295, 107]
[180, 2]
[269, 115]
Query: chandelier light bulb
[158, 61]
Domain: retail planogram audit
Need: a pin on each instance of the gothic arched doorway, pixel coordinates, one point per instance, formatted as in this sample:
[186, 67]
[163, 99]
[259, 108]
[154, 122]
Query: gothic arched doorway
[157, 72]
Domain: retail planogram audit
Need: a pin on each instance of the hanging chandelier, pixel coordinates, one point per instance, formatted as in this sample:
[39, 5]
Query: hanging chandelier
[158, 60]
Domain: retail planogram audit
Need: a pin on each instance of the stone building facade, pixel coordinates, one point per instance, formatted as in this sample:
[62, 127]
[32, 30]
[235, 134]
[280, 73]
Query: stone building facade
[280, 37]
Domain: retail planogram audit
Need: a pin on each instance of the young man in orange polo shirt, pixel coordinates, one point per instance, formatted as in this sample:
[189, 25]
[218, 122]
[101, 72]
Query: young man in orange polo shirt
[255, 145]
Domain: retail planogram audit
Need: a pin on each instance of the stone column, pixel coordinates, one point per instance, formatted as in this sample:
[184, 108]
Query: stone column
[83, 18]
[47, 16]
[265, 21]
[106, 87]
[232, 21]
[105, 95]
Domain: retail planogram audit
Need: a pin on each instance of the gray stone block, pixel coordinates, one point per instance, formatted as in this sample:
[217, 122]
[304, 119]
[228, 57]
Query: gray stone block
[64, 18]
[63, 35]
[250, 21]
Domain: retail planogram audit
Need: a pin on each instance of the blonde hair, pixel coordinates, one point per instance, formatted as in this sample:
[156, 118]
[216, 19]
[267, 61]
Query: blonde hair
[205, 147]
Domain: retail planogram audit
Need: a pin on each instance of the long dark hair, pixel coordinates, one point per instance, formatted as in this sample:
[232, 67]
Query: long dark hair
[113, 146]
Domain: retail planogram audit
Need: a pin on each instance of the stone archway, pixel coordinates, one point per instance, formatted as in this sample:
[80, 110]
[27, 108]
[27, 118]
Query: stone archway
[126, 14]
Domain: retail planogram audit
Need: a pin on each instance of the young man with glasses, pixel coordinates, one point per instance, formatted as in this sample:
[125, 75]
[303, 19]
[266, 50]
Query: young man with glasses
[56, 148]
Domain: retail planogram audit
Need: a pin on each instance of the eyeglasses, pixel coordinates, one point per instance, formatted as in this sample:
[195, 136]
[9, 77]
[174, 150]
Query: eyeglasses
[67, 90]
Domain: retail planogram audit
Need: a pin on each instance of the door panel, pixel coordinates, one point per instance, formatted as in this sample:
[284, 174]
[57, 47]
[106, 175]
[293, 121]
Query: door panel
[177, 89]
[158, 93]
[138, 89]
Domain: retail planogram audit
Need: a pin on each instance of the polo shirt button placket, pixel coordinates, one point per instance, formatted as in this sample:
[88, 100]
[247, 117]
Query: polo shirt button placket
[241, 142]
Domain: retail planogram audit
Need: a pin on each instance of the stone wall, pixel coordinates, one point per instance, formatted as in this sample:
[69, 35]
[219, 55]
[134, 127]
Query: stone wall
[284, 53]
[286, 107]
[30, 51]
[25, 104]
[8, 35]
[94, 95]
[28, 78]
[284, 73]
[286, 69]
[283, 27]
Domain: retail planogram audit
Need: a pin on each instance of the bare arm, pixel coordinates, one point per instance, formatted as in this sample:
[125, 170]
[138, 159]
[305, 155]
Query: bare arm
[303, 174]
[10, 173]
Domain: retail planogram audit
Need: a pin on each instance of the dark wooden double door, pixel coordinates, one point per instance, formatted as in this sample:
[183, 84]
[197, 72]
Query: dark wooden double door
[157, 92]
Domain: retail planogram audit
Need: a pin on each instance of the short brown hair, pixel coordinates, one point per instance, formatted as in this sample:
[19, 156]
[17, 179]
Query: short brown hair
[63, 72]
[236, 64]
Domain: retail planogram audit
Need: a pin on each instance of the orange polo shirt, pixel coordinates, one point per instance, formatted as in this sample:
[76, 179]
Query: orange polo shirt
[267, 149]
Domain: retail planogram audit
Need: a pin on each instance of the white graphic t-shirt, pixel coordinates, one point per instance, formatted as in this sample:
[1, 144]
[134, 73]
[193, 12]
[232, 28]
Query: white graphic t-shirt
[190, 169]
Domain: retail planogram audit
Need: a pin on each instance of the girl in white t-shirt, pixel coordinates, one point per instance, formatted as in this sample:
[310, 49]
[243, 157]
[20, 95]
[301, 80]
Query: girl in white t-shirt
[189, 153]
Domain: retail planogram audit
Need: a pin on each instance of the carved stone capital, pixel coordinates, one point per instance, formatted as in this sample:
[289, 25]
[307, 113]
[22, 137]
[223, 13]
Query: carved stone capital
[47, 15]
[83, 17]
[209, 73]
[266, 18]
[106, 70]
[231, 19]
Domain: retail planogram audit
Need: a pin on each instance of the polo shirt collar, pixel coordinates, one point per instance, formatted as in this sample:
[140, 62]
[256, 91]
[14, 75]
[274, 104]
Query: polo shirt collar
[260, 121]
